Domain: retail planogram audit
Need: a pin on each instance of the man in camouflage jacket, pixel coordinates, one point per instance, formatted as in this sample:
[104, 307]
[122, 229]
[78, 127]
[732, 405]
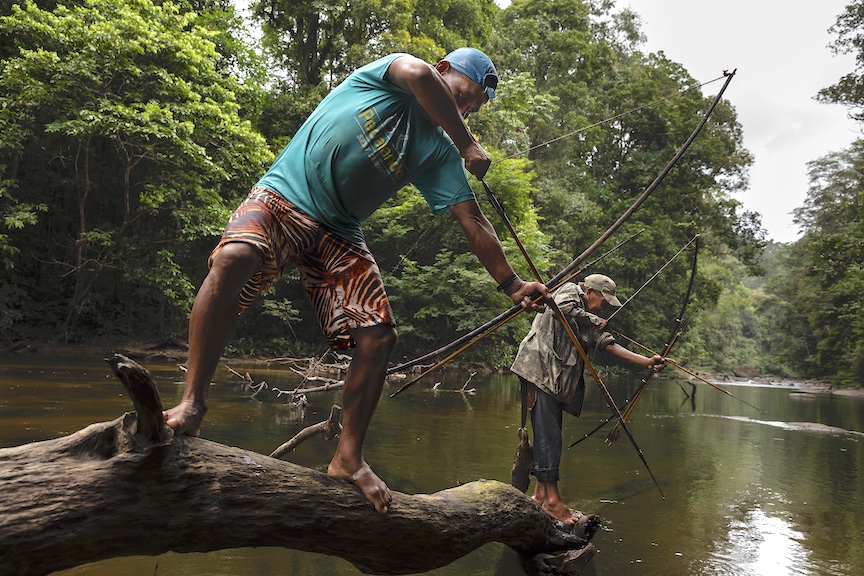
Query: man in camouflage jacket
[550, 370]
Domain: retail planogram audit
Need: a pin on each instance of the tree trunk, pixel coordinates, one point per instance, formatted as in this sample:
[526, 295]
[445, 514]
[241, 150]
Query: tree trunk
[130, 487]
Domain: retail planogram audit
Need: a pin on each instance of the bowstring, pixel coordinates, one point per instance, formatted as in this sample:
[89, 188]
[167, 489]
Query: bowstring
[433, 222]
[609, 119]
[651, 279]
[404, 257]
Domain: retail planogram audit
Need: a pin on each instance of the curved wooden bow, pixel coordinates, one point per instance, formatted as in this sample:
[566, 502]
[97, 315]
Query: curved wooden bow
[496, 323]
[673, 338]
[499, 320]
[682, 369]
[677, 328]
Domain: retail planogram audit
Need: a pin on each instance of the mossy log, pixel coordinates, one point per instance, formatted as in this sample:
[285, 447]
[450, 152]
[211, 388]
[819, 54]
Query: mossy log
[130, 487]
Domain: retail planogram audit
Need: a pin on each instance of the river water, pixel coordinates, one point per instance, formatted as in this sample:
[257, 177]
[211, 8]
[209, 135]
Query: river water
[748, 493]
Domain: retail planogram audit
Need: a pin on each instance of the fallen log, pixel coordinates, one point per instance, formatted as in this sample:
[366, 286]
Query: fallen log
[130, 487]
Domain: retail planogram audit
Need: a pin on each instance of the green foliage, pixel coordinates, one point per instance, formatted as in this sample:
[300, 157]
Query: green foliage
[284, 113]
[849, 90]
[315, 43]
[129, 132]
[282, 310]
[115, 118]
[823, 284]
[730, 333]
[505, 122]
[803, 318]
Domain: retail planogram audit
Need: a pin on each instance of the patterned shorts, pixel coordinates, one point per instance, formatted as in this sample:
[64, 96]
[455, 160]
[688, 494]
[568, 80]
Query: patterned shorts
[341, 278]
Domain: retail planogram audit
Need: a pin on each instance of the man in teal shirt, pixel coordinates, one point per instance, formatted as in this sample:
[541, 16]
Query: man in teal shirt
[394, 121]
[373, 132]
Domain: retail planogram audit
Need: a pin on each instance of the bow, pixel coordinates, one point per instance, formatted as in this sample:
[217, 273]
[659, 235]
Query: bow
[496, 323]
[682, 369]
[677, 328]
[558, 279]
[673, 338]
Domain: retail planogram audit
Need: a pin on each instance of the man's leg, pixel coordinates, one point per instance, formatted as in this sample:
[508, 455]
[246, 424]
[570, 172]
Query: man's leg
[546, 424]
[360, 393]
[213, 318]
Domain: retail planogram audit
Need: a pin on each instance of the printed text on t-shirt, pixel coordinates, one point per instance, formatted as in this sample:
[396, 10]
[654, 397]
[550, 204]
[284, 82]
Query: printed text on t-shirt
[377, 141]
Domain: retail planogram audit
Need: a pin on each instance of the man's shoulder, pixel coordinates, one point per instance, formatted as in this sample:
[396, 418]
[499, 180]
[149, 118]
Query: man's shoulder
[568, 291]
[378, 68]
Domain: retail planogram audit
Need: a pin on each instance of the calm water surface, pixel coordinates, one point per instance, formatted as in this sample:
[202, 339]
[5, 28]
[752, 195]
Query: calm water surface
[746, 492]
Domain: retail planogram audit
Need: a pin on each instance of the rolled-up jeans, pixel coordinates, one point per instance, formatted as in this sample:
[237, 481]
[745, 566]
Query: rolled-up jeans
[546, 424]
[546, 419]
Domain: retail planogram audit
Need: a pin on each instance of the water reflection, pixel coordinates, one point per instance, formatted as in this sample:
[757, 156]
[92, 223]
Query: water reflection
[748, 493]
[761, 544]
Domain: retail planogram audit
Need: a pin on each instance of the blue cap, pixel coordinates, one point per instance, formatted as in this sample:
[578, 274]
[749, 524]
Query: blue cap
[475, 65]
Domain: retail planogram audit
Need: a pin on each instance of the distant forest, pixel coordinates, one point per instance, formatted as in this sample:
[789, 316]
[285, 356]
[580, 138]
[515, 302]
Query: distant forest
[130, 130]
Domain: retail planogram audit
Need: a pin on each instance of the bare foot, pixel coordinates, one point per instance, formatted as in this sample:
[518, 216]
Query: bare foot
[375, 490]
[185, 418]
[559, 511]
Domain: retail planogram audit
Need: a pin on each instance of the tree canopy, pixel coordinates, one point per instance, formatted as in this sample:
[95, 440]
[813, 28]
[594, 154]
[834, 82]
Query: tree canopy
[130, 130]
[122, 144]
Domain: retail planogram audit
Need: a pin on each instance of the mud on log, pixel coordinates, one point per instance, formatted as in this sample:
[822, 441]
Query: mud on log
[130, 487]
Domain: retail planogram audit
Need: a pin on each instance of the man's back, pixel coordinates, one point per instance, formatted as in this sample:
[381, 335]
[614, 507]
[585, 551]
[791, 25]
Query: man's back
[366, 140]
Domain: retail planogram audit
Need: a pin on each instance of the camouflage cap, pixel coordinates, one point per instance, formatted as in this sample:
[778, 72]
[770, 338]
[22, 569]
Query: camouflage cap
[604, 285]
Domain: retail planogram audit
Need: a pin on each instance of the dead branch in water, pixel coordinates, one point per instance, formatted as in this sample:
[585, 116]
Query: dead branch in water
[330, 428]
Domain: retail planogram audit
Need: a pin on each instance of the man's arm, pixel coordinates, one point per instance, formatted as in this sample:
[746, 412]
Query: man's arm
[578, 315]
[436, 99]
[486, 246]
[656, 362]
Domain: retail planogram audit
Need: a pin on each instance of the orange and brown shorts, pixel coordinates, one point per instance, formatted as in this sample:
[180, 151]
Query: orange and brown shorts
[341, 278]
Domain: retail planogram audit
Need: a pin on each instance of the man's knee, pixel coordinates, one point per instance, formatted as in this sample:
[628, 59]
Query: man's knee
[376, 339]
[235, 261]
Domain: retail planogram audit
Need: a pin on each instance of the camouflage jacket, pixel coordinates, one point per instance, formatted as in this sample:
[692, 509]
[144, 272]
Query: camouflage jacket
[547, 357]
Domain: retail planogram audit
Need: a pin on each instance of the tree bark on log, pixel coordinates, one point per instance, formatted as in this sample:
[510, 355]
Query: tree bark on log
[130, 487]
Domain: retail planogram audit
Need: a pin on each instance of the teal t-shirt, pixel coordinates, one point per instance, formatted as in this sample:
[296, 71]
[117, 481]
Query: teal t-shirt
[367, 139]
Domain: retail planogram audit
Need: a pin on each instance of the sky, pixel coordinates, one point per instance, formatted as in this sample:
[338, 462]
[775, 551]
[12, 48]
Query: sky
[780, 50]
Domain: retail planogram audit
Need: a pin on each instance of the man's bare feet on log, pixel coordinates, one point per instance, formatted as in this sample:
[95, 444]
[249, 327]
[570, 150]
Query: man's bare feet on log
[559, 511]
[185, 418]
[375, 490]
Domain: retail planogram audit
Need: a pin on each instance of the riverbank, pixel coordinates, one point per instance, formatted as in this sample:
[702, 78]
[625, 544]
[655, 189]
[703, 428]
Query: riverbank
[175, 350]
